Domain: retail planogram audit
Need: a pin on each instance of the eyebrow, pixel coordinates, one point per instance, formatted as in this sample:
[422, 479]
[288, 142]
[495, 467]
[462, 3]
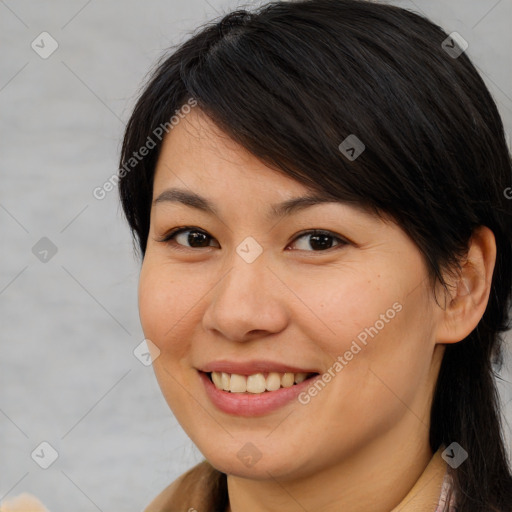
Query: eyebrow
[286, 208]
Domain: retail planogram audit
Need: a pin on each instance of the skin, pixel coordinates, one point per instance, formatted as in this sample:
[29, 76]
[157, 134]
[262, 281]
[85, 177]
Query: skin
[362, 442]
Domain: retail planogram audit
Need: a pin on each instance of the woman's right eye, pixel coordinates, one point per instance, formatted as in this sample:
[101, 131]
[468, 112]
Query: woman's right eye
[178, 238]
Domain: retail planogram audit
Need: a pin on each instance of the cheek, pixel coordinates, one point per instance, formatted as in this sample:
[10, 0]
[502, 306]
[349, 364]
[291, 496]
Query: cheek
[172, 300]
[346, 304]
[166, 316]
[380, 324]
[163, 301]
[389, 375]
[152, 298]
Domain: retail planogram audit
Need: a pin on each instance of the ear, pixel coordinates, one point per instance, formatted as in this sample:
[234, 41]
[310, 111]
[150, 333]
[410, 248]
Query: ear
[468, 294]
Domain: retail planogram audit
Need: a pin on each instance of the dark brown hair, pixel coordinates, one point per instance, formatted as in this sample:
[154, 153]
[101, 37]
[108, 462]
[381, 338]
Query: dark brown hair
[290, 81]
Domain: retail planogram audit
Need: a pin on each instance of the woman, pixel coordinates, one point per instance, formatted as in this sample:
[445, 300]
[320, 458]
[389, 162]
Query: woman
[318, 192]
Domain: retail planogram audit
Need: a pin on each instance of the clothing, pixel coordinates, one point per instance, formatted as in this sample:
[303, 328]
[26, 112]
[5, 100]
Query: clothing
[432, 492]
[447, 502]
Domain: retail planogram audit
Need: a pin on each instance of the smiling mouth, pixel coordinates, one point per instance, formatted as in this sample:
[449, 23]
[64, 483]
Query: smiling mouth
[256, 383]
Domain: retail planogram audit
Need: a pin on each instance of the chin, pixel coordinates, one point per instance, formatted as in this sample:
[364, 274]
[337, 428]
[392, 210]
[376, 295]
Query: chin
[245, 460]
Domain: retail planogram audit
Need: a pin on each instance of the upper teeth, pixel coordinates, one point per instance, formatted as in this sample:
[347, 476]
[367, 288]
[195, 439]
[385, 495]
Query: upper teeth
[256, 383]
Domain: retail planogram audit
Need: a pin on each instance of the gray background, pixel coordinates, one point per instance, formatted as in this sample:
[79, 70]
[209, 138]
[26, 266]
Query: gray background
[68, 375]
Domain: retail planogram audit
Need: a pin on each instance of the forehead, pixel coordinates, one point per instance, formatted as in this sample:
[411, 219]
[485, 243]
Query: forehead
[200, 159]
[197, 153]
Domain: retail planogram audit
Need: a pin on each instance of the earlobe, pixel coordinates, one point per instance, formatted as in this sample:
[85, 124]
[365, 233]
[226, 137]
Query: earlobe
[467, 300]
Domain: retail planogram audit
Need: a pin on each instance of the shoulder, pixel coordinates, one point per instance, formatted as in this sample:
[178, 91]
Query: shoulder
[197, 488]
[165, 497]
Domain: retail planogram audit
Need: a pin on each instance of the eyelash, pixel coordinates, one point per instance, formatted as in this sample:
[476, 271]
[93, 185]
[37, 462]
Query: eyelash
[168, 238]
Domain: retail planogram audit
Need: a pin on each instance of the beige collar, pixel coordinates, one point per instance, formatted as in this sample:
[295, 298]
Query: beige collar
[198, 482]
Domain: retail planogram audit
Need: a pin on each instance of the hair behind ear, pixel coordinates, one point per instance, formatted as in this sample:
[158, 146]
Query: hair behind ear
[465, 378]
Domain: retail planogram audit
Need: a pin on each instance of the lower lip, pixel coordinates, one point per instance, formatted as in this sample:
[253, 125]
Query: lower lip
[253, 404]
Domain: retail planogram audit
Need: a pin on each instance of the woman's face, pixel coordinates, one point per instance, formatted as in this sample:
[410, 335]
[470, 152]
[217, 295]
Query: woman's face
[248, 291]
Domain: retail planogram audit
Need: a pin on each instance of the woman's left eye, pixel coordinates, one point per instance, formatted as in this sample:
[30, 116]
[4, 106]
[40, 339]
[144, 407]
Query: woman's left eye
[319, 239]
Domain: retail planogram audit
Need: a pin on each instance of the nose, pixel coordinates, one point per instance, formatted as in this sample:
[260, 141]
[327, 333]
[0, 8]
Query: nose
[247, 303]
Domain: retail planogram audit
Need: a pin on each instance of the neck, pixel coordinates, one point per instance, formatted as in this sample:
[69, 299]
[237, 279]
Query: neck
[377, 477]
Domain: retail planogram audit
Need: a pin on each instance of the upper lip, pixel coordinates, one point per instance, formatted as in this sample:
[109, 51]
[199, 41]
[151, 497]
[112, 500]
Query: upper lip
[251, 367]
